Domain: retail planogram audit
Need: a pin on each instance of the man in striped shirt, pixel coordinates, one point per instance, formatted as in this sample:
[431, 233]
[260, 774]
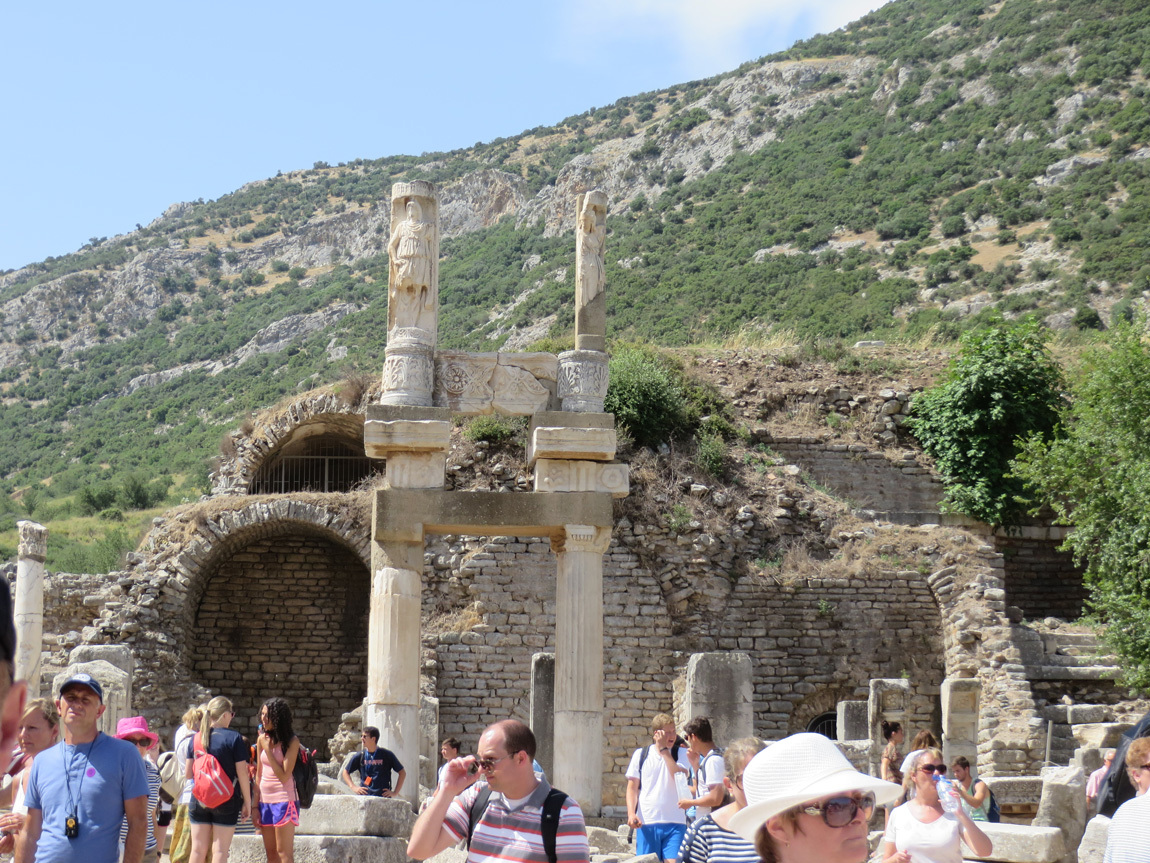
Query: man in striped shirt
[510, 828]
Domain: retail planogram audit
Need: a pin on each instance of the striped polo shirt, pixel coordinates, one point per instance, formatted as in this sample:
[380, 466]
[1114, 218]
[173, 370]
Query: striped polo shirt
[707, 842]
[514, 834]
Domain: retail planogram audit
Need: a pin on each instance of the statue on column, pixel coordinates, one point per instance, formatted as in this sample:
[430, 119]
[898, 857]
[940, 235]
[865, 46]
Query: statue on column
[591, 230]
[412, 295]
[412, 301]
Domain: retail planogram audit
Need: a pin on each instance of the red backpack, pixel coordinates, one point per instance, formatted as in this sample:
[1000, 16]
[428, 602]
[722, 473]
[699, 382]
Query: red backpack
[211, 786]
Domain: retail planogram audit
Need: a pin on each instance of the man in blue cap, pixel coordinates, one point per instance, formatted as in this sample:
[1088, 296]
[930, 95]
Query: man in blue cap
[82, 789]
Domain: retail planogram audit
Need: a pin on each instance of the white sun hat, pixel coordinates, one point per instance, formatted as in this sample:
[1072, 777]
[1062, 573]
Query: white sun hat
[799, 769]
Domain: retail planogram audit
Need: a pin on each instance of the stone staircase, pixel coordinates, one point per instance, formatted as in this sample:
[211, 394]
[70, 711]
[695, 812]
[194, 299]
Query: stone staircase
[1074, 682]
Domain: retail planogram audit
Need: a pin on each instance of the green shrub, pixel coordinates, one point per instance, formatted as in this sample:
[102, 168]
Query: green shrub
[280, 266]
[646, 395]
[493, 429]
[711, 454]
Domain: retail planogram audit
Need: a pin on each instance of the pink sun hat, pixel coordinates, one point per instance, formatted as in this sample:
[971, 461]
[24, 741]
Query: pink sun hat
[133, 726]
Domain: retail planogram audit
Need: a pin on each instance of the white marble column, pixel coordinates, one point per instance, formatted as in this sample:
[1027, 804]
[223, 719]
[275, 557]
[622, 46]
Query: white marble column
[578, 744]
[416, 459]
[29, 603]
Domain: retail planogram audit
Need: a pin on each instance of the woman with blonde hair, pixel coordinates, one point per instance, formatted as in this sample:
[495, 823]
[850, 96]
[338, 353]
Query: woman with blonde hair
[710, 839]
[39, 726]
[181, 850]
[923, 830]
[807, 804]
[214, 827]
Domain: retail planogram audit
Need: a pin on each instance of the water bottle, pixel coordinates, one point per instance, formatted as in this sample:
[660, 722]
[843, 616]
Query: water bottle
[949, 801]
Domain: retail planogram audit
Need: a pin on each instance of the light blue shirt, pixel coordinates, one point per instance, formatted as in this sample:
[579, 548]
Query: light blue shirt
[101, 775]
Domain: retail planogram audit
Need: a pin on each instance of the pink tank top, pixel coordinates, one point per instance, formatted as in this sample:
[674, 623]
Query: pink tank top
[271, 789]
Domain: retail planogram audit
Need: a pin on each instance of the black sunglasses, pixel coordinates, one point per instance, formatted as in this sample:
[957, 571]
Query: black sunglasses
[933, 768]
[841, 811]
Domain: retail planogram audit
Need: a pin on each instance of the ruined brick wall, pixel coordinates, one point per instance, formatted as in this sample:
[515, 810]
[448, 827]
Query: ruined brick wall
[868, 478]
[812, 643]
[286, 616]
[1041, 580]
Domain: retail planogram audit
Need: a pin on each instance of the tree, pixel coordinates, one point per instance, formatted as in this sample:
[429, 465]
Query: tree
[1003, 386]
[1096, 476]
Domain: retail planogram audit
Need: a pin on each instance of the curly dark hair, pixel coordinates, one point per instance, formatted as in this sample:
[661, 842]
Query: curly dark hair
[279, 722]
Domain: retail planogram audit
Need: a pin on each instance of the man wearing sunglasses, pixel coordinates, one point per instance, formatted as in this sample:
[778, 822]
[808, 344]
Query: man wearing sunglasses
[523, 818]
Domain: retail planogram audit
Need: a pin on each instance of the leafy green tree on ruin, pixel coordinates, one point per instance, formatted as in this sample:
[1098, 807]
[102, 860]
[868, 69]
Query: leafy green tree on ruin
[1002, 387]
[1096, 476]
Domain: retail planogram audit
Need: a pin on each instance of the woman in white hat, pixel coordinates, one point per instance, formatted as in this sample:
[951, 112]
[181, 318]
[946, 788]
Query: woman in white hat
[921, 830]
[807, 804]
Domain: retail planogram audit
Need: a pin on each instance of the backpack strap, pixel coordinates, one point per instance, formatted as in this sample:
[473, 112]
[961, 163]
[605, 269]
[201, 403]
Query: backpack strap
[478, 807]
[549, 823]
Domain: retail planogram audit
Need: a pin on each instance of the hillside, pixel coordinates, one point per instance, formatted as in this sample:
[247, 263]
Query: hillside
[895, 179]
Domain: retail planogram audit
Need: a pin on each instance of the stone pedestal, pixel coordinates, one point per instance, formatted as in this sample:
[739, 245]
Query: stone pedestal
[579, 664]
[583, 378]
[409, 368]
[887, 700]
[541, 712]
[851, 719]
[29, 603]
[719, 687]
[960, 705]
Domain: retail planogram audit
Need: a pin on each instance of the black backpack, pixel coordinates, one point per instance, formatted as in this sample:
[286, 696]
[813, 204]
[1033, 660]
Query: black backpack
[548, 819]
[675, 747]
[1116, 787]
[306, 776]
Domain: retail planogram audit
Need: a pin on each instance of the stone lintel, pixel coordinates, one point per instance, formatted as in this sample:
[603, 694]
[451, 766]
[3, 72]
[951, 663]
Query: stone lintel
[381, 437]
[572, 419]
[405, 515]
[568, 475]
[391, 413]
[564, 442]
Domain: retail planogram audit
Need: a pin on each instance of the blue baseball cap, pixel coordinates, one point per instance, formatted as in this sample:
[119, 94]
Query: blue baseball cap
[83, 680]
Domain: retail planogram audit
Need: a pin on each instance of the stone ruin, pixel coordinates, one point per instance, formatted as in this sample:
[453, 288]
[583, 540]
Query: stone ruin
[429, 611]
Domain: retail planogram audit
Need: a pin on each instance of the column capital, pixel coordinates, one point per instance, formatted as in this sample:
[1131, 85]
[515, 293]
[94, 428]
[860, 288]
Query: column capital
[33, 541]
[582, 537]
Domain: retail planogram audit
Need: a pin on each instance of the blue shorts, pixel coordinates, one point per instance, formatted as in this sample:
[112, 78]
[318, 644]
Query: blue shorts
[279, 814]
[663, 840]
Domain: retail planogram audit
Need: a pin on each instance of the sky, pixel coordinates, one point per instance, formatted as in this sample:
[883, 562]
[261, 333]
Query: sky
[110, 112]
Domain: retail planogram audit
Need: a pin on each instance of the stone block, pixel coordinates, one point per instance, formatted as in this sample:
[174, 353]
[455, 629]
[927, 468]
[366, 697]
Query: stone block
[960, 704]
[404, 515]
[119, 655]
[1093, 845]
[1100, 735]
[595, 444]
[852, 720]
[325, 849]
[428, 739]
[383, 437]
[566, 475]
[541, 711]
[391, 413]
[1015, 843]
[1063, 804]
[516, 384]
[1015, 789]
[719, 687]
[608, 841]
[356, 815]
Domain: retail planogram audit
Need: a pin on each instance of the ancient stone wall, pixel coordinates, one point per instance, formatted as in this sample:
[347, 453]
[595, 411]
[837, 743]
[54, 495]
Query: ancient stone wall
[869, 479]
[286, 616]
[1041, 581]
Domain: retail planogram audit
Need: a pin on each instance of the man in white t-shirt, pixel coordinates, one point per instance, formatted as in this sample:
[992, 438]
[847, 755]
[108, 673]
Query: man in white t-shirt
[709, 788]
[652, 793]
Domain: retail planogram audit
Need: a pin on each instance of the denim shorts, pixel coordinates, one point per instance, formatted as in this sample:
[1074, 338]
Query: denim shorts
[224, 816]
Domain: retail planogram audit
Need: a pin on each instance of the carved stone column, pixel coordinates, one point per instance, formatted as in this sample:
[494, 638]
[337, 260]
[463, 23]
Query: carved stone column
[583, 378]
[29, 602]
[412, 295]
[415, 442]
[579, 664]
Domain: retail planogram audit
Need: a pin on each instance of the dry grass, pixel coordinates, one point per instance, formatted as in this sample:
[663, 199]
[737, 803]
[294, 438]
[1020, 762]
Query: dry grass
[755, 335]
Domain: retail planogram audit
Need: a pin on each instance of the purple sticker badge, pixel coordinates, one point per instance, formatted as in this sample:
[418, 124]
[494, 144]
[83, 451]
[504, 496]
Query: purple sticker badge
[91, 771]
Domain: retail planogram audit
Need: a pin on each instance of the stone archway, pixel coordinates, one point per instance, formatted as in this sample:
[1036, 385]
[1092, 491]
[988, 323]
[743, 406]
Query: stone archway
[285, 615]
